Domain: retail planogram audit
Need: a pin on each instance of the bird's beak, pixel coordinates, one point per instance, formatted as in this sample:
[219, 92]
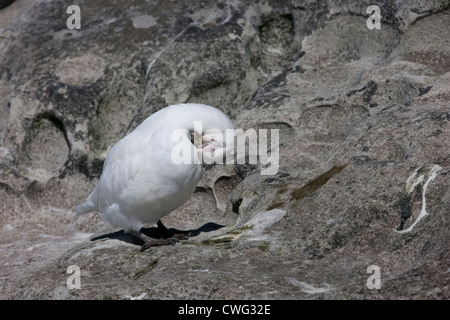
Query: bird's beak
[196, 140]
[202, 143]
[209, 145]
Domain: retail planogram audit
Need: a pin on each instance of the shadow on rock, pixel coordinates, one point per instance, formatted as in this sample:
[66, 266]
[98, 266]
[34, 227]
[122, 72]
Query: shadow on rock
[155, 233]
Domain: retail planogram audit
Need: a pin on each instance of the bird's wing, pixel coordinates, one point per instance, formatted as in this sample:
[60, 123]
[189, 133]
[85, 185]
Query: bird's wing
[121, 167]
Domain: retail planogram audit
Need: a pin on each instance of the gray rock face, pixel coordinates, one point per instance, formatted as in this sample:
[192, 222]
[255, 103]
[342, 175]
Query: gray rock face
[364, 138]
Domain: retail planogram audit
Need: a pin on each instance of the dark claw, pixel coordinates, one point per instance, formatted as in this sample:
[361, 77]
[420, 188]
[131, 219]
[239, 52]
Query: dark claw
[182, 236]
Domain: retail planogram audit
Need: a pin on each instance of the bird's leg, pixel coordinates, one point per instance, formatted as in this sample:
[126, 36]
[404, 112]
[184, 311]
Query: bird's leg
[151, 242]
[172, 233]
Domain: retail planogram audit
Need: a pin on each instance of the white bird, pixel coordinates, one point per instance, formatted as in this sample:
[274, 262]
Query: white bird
[143, 179]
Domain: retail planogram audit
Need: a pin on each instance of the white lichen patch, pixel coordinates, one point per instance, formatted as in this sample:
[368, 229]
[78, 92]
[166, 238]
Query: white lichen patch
[261, 221]
[308, 288]
[422, 175]
[143, 21]
[253, 229]
[82, 70]
[139, 297]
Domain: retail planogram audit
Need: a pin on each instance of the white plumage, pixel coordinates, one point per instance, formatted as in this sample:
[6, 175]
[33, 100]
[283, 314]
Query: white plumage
[140, 182]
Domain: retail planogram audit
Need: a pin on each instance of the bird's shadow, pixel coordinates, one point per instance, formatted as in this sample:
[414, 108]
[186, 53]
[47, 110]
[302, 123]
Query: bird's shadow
[154, 233]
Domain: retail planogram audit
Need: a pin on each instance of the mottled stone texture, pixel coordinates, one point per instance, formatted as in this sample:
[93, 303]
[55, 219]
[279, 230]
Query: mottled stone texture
[363, 116]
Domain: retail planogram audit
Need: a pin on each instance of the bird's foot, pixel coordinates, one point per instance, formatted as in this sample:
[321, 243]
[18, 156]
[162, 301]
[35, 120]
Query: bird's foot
[158, 242]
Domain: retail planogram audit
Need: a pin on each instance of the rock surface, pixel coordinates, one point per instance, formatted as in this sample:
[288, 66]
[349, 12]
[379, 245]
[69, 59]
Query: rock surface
[364, 130]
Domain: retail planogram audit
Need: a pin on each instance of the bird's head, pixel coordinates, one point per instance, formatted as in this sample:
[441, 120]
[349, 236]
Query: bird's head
[213, 145]
[210, 131]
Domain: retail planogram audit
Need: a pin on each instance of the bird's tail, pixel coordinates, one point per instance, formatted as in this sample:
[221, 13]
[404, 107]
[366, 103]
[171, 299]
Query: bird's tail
[86, 207]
